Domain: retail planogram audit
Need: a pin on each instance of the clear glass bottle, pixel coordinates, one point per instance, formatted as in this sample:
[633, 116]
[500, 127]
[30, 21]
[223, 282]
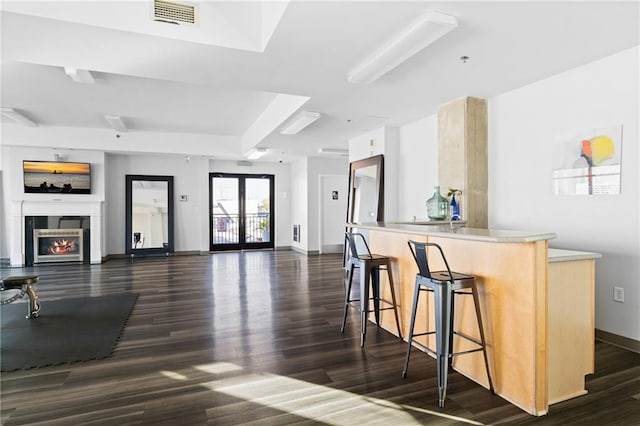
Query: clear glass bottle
[437, 205]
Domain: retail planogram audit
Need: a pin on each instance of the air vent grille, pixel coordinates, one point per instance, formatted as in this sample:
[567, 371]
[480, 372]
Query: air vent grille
[175, 13]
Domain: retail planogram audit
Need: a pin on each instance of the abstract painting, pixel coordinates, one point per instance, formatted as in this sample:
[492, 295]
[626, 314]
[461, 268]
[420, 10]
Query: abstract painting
[589, 163]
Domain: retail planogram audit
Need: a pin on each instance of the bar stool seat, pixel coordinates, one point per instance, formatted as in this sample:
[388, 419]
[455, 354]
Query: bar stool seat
[370, 265]
[445, 285]
[25, 285]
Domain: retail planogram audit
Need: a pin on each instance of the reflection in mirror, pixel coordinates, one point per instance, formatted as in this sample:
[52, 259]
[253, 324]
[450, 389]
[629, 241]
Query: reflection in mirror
[366, 190]
[149, 214]
[149, 221]
[365, 194]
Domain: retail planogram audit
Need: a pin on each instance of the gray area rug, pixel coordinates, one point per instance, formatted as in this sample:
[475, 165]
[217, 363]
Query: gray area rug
[67, 331]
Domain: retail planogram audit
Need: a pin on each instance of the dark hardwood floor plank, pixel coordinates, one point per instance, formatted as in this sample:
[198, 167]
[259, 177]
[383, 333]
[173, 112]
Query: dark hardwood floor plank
[254, 338]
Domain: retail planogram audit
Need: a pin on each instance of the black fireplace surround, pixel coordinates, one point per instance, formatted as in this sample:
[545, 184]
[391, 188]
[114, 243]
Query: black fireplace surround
[43, 222]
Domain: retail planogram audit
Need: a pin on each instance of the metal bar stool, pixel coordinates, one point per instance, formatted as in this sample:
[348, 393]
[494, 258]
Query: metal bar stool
[445, 285]
[25, 285]
[370, 266]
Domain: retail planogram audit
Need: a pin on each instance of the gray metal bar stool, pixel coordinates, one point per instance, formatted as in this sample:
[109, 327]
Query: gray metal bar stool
[25, 285]
[370, 266]
[445, 285]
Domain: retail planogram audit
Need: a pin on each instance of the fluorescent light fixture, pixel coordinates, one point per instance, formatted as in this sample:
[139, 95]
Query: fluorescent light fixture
[301, 121]
[116, 123]
[79, 76]
[256, 153]
[428, 28]
[18, 117]
[333, 151]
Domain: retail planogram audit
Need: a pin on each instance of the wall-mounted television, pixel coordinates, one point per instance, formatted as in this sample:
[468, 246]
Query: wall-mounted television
[56, 177]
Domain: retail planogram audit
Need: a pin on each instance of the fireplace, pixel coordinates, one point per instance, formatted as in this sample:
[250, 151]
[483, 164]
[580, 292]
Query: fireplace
[57, 245]
[21, 245]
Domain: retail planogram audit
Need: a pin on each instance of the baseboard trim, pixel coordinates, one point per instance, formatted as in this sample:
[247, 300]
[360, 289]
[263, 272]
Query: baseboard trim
[114, 256]
[175, 253]
[617, 340]
[186, 253]
[333, 248]
[202, 253]
[307, 252]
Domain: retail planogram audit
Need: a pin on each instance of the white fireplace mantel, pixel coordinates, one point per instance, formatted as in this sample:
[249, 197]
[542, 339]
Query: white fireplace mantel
[22, 208]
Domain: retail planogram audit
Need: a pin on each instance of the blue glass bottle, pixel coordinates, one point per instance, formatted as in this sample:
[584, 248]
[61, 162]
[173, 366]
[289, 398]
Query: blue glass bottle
[455, 208]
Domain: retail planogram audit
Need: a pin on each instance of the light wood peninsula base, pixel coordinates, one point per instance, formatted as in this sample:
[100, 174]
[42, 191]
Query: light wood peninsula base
[537, 311]
[571, 299]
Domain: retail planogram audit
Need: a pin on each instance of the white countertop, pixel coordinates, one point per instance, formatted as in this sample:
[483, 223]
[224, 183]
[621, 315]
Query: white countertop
[561, 255]
[462, 233]
[431, 222]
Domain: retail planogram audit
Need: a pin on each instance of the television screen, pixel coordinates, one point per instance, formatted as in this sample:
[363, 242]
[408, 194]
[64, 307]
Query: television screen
[57, 176]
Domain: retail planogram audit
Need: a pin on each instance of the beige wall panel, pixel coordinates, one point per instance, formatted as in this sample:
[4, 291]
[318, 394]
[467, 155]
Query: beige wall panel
[452, 169]
[462, 156]
[477, 162]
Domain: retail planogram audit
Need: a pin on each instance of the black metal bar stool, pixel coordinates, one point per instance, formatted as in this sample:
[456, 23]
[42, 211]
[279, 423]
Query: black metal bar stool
[445, 285]
[25, 285]
[370, 266]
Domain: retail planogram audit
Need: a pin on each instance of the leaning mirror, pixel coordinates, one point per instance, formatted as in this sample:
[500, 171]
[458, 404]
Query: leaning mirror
[366, 190]
[366, 194]
[149, 215]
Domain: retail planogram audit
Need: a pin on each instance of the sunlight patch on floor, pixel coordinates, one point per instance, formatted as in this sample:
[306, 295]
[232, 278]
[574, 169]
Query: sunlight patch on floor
[173, 375]
[322, 403]
[217, 367]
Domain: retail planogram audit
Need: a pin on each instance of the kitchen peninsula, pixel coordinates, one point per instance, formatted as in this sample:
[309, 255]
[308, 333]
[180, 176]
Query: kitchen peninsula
[537, 306]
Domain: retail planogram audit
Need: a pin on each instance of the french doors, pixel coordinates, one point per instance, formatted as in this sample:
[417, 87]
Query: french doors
[240, 211]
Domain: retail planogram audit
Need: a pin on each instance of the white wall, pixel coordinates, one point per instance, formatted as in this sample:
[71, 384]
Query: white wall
[367, 145]
[385, 141]
[186, 180]
[299, 203]
[333, 212]
[305, 207]
[418, 171]
[525, 128]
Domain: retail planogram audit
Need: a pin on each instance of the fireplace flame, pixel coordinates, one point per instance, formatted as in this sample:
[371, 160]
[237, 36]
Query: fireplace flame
[62, 246]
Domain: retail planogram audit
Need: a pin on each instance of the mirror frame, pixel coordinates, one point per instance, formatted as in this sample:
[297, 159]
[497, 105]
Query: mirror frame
[129, 210]
[378, 162]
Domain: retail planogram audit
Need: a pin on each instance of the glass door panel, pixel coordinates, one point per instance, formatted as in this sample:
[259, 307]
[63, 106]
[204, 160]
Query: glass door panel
[257, 212]
[225, 210]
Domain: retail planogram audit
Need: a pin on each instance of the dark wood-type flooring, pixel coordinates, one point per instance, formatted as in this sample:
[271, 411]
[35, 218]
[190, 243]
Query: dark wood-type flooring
[253, 338]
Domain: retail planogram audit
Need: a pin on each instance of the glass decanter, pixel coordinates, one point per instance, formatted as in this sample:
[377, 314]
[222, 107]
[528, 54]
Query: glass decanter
[437, 205]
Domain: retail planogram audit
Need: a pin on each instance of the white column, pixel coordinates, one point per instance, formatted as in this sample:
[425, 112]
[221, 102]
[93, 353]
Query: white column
[96, 232]
[16, 231]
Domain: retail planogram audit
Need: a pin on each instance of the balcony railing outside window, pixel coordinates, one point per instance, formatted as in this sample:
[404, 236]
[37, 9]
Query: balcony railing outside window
[226, 228]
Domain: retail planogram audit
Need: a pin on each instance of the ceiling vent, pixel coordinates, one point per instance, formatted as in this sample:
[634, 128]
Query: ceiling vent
[174, 13]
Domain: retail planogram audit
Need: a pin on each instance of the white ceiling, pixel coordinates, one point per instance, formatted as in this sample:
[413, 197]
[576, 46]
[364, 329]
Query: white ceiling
[194, 82]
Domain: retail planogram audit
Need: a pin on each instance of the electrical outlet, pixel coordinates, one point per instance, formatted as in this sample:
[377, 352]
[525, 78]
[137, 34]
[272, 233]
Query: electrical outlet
[618, 294]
